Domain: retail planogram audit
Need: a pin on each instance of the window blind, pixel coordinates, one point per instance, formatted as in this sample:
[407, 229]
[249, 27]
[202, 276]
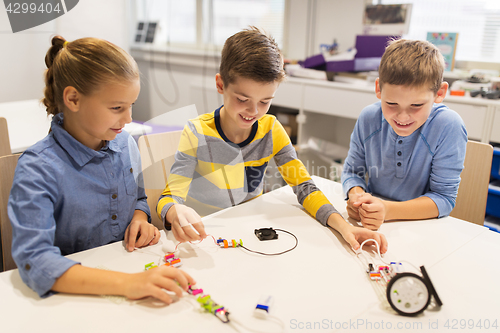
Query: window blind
[476, 21]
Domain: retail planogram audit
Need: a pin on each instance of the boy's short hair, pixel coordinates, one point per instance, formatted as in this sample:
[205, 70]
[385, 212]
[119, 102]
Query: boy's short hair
[252, 54]
[413, 63]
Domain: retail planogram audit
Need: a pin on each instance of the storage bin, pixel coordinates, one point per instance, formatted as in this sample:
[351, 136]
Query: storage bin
[493, 204]
[495, 164]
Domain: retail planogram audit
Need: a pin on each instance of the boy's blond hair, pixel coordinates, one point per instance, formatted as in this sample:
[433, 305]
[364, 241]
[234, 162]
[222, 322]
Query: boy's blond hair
[413, 63]
[251, 54]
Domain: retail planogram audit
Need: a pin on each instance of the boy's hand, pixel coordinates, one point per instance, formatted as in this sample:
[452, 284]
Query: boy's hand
[140, 232]
[183, 220]
[357, 235]
[354, 236]
[354, 194]
[155, 281]
[371, 210]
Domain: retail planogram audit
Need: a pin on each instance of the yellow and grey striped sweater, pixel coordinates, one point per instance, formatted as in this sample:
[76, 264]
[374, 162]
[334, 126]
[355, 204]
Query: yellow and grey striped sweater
[211, 170]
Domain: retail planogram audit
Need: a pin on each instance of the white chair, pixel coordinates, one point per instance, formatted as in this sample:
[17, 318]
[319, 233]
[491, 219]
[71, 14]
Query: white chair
[157, 155]
[473, 190]
[7, 167]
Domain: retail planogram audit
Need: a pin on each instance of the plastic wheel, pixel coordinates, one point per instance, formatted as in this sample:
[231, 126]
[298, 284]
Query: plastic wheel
[408, 294]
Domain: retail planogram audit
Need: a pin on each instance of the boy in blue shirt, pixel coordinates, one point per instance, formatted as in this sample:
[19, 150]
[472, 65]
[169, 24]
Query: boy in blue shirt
[411, 147]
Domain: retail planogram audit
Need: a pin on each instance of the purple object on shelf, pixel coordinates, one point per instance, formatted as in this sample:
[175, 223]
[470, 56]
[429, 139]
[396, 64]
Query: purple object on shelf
[369, 49]
[314, 61]
[369, 53]
[340, 66]
[372, 46]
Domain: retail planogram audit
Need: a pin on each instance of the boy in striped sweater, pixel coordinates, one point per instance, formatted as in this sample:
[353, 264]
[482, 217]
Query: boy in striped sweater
[223, 155]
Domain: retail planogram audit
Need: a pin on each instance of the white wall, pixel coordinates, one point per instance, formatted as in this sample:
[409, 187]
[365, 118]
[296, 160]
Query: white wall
[22, 54]
[308, 24]
[340, 19]
[22, 60]
[97, 18]
[314, 22]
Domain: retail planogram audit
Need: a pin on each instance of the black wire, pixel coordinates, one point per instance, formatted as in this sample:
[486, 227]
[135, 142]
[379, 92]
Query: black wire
[275, 254]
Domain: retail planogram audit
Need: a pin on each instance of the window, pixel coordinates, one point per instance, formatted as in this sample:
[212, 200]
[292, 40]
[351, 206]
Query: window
[476, 21]
[176, 20]
[202, 23]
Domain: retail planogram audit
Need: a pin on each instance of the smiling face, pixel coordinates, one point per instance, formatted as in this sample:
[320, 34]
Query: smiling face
[245, 102]
[101, 115]
[407, 108]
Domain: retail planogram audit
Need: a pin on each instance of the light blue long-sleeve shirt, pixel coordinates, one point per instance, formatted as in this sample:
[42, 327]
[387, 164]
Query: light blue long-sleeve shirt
[67, 198]
[426, 163]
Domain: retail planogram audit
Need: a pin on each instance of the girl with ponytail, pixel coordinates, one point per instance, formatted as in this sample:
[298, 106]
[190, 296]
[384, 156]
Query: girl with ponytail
[80, 187]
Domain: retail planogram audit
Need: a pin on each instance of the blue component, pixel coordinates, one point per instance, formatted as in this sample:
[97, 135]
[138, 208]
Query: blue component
[262, 307]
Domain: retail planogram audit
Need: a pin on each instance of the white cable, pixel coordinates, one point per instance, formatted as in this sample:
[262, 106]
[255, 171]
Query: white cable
[409, 263]
[378, 250]
[278, 320]
[380, 256]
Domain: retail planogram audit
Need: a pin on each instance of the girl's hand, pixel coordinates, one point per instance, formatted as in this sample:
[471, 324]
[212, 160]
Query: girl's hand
[183, 220]
[155, 281]
[140, 232]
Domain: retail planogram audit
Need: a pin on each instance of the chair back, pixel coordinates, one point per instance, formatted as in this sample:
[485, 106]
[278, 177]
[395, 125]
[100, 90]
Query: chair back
[473, 190]
[157, 155]
[4, 138]
[7, 167]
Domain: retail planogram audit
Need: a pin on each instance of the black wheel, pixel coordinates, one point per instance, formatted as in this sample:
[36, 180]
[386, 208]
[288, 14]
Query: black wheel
[408, 294]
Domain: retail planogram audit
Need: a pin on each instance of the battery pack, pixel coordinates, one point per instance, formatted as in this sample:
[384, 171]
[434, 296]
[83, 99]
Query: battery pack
[263, 307]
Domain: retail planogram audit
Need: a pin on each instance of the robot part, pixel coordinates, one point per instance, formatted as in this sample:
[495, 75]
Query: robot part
[263, 307]
[193, 291]
[171, 260]
[408, 294]
[266, 234]
[147, 267]
[225, 244]
[217, 310]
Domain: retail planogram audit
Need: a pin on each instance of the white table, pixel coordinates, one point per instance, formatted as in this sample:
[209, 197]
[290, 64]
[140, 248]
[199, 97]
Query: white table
[28, 123]
[319, 286]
